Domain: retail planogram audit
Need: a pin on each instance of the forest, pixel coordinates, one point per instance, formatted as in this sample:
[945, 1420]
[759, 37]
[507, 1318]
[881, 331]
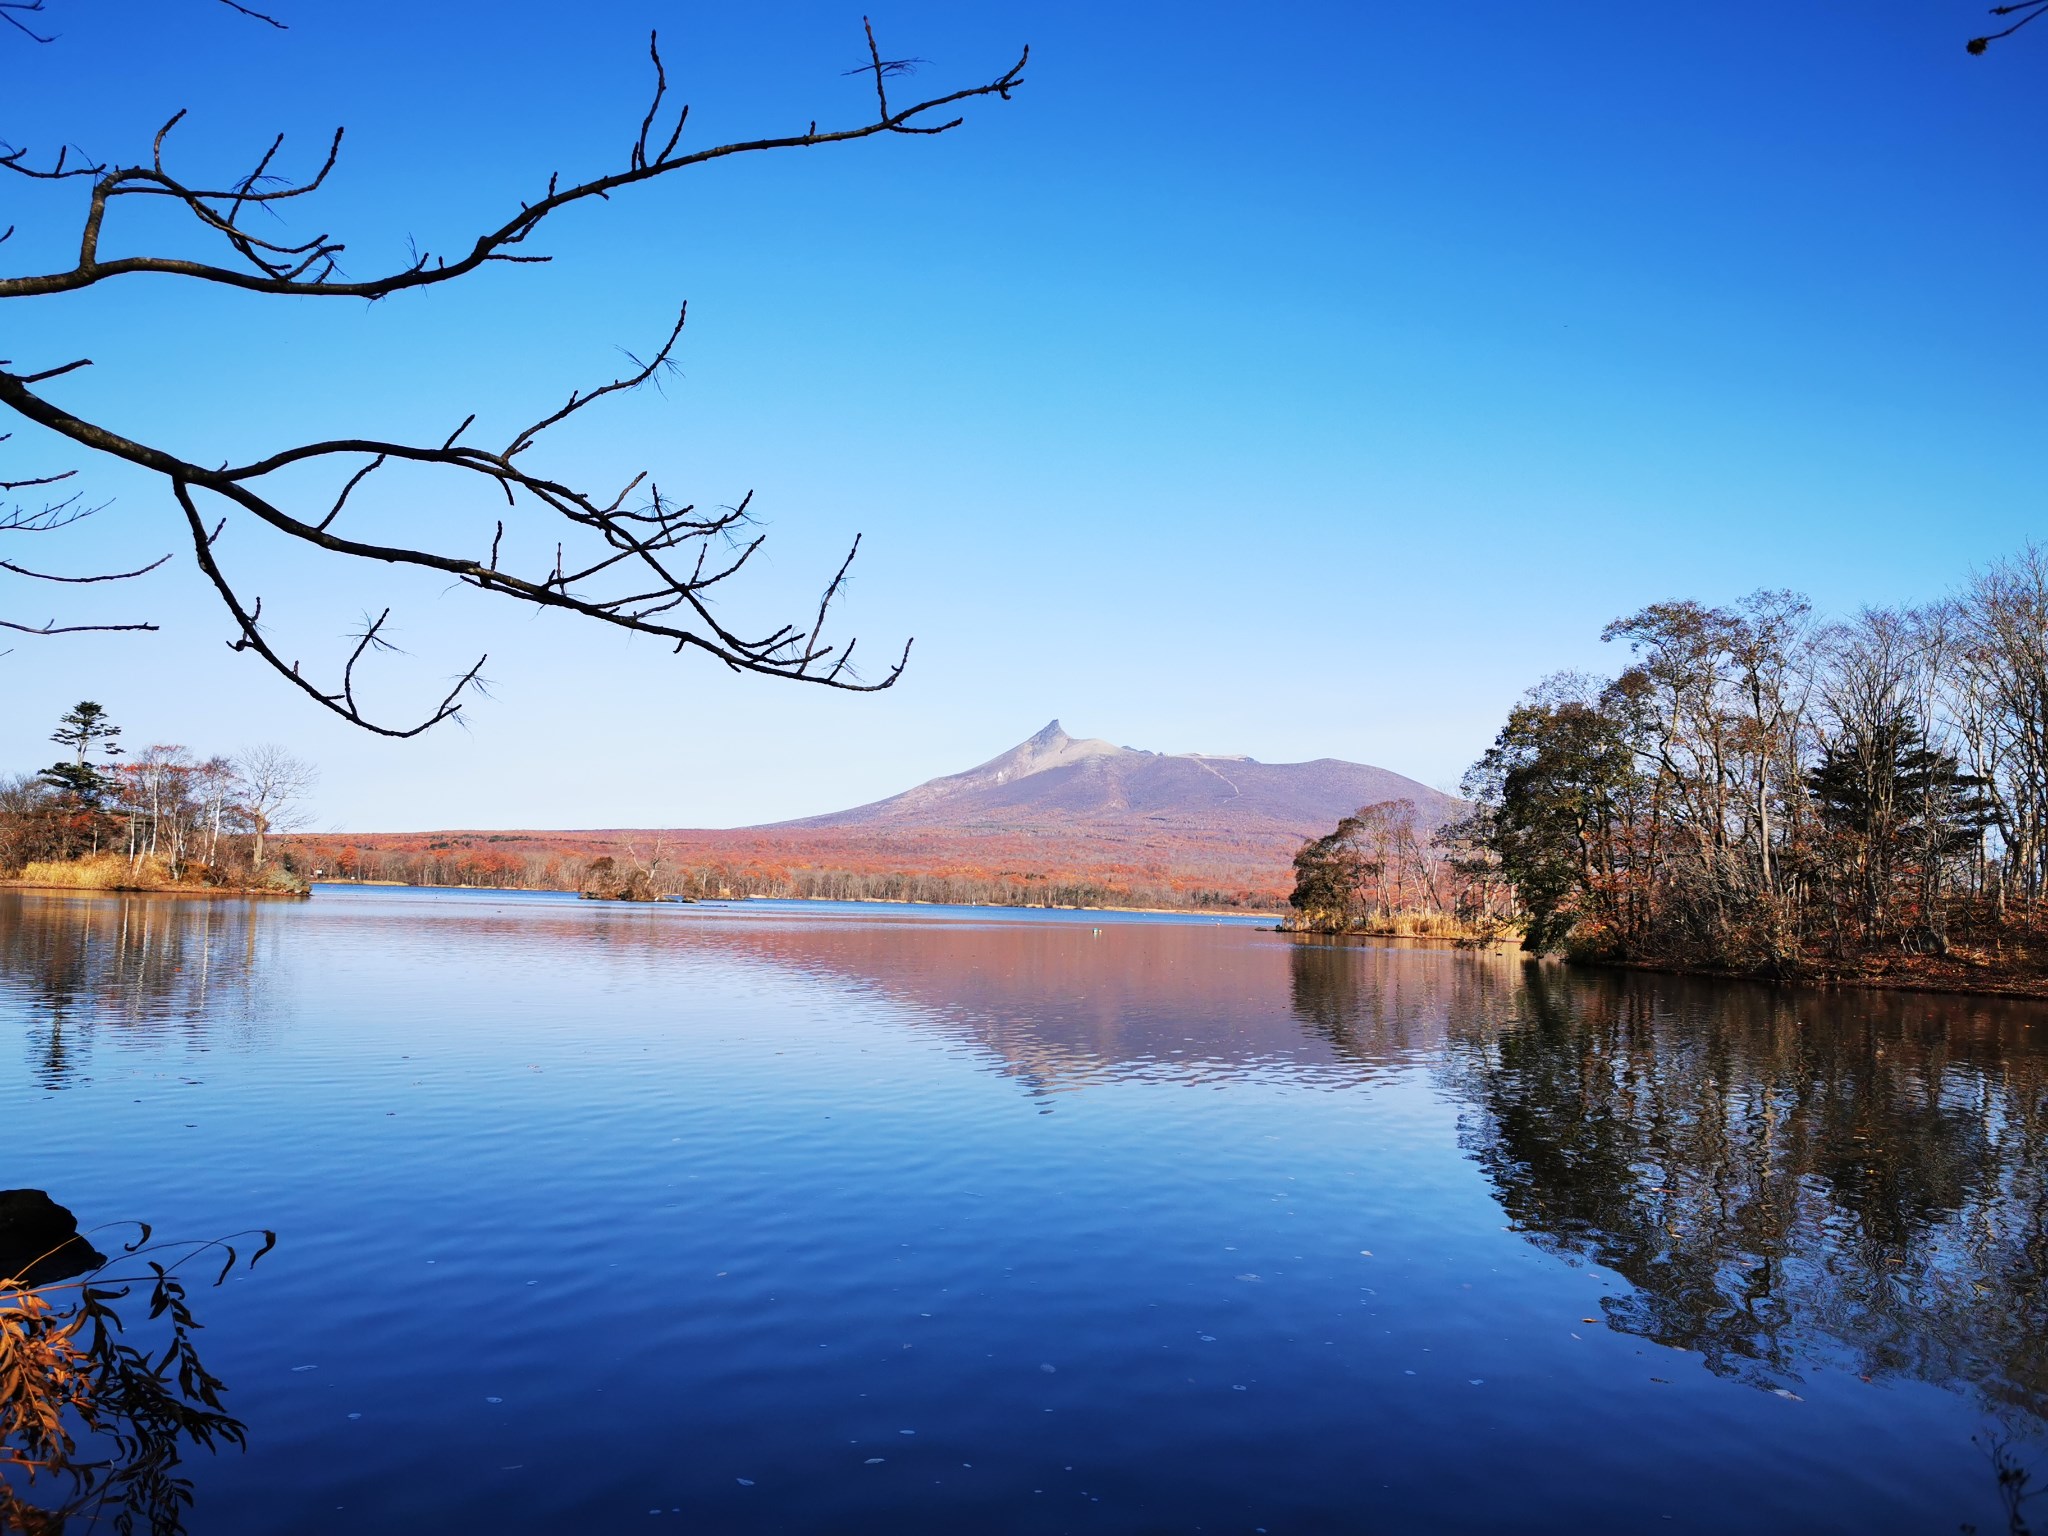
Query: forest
[103, 818]
[1764, 792]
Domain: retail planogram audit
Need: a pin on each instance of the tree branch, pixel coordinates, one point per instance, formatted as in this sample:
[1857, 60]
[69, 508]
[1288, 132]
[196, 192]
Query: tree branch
[2027, 11]
[309, 266]
[644, 567]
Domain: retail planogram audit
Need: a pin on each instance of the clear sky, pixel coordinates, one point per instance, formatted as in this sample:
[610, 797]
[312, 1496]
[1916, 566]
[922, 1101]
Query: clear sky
[1296, 380]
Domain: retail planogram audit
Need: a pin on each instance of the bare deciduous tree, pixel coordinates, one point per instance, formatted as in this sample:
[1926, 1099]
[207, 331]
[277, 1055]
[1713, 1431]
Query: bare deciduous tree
[1788, 796]
[273, 783]
[628, 557]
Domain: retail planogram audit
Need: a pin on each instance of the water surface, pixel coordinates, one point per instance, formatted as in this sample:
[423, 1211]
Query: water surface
[786, 1217]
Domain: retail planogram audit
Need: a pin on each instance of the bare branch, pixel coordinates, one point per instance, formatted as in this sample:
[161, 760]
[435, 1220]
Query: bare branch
[15, 160]
[2027, 10]
[143, 570]
[20, 485]
[51, 516]
[577, 401]
[644, 566]
[309, 267]
[341, 701]
[58, 372]
[357, 479]
[11, 13]
[54, 628]
[233, 5]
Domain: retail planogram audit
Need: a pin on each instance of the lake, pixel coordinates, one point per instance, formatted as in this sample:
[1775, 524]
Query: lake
[788, 1217]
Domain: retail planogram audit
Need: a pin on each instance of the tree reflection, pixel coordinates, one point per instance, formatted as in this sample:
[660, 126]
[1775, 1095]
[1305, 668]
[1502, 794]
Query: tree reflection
[135, 962]
[99, 1396]
[1382, 1002]
[1789, 1182]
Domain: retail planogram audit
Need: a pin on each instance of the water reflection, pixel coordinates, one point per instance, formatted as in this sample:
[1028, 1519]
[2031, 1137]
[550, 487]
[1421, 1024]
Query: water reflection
[138, 964]
[1387, 1002]
[1790, 1183]
[102, 1391]
[1062, 1007]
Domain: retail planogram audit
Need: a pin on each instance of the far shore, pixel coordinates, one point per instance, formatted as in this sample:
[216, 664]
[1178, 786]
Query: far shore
[878, 901]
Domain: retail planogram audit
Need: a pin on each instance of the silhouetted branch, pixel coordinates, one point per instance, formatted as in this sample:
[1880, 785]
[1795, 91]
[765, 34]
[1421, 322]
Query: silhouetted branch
[2026, 10]
[11, 12]
[54, 628]
[254, 15]
[22, 570]
[49, 518]
[650, 568]
[309, 266]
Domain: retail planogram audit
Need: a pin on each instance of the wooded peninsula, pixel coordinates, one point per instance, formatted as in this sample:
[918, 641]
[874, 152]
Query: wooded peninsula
[161, 819]
[1758, 793]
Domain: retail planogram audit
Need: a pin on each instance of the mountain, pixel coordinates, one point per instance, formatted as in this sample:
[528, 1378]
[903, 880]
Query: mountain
[1054, 819]
[1053, 781]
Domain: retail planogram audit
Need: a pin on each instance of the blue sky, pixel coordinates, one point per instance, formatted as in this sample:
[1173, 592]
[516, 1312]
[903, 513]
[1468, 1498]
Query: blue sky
[1298, 381]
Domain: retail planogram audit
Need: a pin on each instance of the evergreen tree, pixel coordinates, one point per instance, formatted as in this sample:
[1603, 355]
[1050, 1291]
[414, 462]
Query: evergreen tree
[79, 782]
[84, 729]
[1901, 811]
[85, 725]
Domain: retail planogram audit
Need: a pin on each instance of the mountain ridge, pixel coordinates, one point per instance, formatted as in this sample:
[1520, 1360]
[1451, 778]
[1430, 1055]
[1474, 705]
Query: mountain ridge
[1053, 778]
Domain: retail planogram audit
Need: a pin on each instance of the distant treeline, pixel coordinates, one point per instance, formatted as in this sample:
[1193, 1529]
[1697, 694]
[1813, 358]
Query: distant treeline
[1760, 792]
[647, 871]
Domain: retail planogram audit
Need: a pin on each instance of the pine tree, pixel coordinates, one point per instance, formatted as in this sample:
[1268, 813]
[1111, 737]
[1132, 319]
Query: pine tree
[86, 724]
[84, 729]
[1901, 810]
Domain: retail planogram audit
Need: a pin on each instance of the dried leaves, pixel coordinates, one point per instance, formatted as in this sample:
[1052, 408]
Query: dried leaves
[91, 1417]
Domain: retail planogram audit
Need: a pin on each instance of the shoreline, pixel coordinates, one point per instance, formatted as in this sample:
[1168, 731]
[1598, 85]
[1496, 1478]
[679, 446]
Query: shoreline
[1505, 946]
[2019, 988]
[212, 892]
[2014, 988]
[2023, 989]
[876, 901]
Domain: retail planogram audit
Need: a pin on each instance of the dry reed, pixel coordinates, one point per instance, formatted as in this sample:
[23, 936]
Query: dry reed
[99, 872]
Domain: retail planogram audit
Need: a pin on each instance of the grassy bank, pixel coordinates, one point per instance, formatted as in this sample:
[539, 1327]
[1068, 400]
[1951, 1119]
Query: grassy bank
[1404, 925]
[117, 872]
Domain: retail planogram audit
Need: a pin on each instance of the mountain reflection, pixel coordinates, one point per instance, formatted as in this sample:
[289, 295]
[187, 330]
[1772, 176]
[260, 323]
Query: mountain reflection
[137, 963]
[1789, 1182]
[1062, 1006]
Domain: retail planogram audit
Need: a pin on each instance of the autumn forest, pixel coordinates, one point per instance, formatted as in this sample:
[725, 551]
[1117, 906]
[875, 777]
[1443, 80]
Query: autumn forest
[1763, 792]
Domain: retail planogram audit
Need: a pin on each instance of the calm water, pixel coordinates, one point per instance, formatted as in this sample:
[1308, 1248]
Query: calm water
[781, 1218]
